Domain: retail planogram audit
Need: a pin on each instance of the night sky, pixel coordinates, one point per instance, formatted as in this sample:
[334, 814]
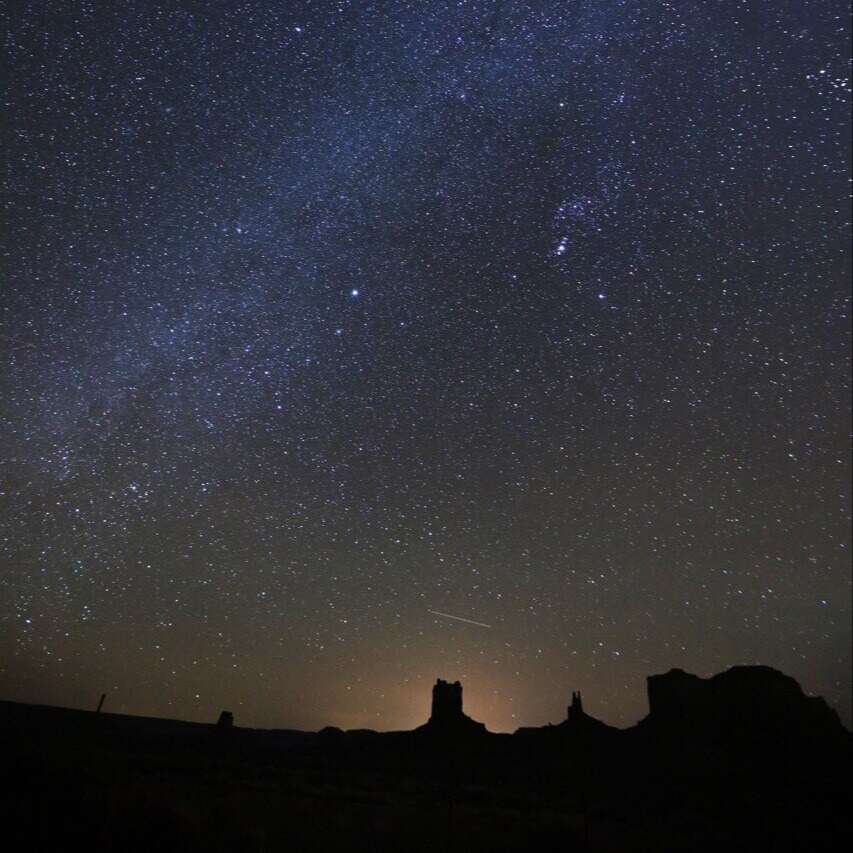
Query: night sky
[317, 317]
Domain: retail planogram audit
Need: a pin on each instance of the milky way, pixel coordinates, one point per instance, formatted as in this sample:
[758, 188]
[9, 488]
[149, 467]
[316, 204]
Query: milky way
[317, 316]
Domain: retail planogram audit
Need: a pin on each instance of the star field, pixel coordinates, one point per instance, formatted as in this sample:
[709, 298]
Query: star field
[319, 316]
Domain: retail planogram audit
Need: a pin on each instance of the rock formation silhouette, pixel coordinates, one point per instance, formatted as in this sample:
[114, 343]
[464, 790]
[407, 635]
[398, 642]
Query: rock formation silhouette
[744, 760]
[577, 724]
[446, 700]
[447, 717]
[575, 710]
[753, 700]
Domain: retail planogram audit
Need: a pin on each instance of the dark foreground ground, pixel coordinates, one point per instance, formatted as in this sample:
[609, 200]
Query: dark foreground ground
[76, 780]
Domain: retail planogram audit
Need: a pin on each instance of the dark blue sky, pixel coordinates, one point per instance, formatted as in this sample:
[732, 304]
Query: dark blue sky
[316, 317]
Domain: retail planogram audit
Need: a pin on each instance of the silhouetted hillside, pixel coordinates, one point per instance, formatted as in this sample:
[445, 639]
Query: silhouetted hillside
[745, 698]
[740, 761]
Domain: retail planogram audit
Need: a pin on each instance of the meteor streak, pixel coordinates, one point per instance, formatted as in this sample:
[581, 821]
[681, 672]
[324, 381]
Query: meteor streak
[461, 619]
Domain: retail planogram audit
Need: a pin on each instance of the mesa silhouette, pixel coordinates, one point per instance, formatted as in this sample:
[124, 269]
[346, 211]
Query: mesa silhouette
[742, 760]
